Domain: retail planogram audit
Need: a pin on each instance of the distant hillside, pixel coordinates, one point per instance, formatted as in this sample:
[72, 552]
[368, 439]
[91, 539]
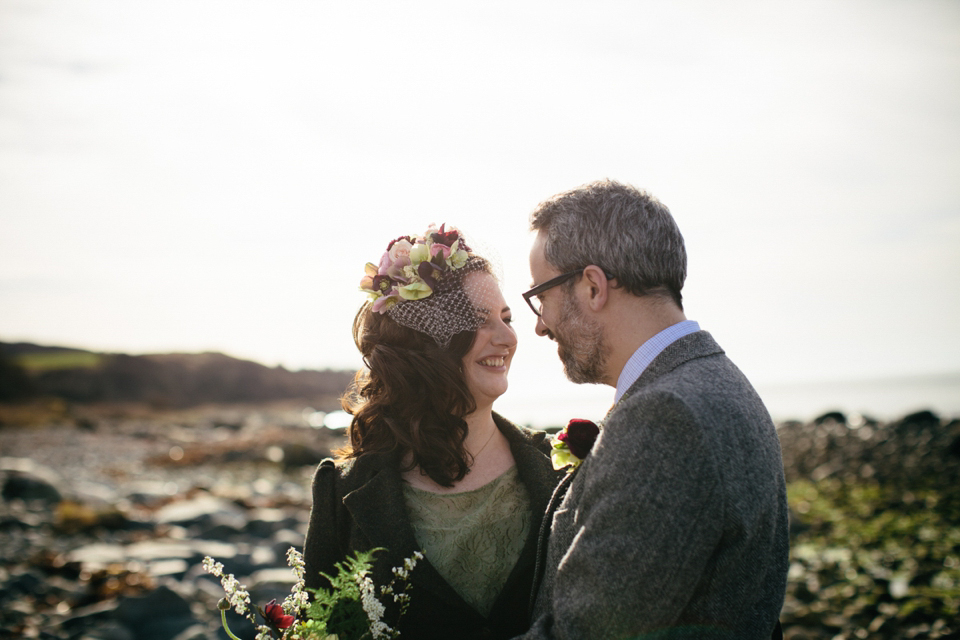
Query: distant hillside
[167, 380]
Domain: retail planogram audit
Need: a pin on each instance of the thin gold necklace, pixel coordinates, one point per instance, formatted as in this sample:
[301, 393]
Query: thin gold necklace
[489, 438]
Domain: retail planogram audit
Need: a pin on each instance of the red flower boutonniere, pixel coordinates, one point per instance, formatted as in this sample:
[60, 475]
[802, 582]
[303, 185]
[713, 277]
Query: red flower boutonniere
[572, 445]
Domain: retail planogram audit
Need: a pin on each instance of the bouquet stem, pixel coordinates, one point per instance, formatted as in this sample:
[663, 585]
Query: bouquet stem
[226, 627]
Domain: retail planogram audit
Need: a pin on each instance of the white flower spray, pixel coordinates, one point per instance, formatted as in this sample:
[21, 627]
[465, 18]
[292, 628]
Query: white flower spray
[355, 572]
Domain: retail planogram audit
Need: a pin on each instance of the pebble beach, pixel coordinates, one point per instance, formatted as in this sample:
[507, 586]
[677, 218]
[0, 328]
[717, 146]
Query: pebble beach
[107, 515]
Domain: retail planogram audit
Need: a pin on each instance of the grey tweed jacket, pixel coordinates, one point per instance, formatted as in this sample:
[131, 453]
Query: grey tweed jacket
[675, 526]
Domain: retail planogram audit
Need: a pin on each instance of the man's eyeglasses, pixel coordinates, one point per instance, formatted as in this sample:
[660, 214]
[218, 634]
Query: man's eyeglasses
[531, 295]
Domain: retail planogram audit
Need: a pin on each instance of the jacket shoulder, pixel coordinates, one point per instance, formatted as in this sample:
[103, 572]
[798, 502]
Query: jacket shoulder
[520, 436]
[342, 476]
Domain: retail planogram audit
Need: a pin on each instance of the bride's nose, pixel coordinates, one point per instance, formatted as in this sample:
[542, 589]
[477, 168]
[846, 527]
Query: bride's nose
[506, 335]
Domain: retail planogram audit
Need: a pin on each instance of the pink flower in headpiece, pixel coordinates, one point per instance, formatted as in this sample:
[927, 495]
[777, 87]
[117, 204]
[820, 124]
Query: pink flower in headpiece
[392, 264]
[440, 250]
[399, 248]
[383, 303]
[396, 240]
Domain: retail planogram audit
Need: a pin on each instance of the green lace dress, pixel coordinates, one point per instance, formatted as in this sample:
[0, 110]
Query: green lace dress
[473, 538]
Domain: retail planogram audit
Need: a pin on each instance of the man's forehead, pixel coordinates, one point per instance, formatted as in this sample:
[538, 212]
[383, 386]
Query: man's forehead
[540, 269]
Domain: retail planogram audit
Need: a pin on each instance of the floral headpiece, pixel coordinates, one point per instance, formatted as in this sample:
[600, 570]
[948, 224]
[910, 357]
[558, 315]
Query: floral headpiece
[412, 267]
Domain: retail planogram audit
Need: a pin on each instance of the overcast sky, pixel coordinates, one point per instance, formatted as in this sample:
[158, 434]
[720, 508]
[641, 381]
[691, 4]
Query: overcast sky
[212, 175]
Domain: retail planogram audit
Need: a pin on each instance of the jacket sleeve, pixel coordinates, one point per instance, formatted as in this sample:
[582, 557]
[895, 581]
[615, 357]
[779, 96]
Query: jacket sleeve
[322, 548]
[636, 541]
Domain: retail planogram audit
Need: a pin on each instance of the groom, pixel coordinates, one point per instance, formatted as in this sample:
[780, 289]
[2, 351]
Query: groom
[675, 524]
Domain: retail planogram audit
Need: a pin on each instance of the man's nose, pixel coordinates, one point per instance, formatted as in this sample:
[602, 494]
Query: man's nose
[541, 328]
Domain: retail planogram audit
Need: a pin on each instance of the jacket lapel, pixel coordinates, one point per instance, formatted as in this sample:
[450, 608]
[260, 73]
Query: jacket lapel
[540, 479]
[543, 537]
[534, 466]
[379, 510]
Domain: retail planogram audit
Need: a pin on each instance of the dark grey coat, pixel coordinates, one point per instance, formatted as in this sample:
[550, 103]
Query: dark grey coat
[360, 506]
[675, 526]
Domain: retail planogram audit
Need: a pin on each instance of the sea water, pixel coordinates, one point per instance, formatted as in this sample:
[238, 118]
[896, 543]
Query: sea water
[882, 399]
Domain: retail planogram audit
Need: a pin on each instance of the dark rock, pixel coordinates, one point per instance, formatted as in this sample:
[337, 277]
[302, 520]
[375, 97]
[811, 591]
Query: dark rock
[954, 449]
[85, 424]
[299, 455]
[28, 487]
[925, 418]
[831, 416]
[13, 523]
[263, 523]
[158, 615]
[108, 631]
[30, 582]
[91, 616]
[222, 532]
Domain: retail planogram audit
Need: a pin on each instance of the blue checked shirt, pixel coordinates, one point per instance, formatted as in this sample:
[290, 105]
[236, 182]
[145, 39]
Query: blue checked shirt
[649, 350]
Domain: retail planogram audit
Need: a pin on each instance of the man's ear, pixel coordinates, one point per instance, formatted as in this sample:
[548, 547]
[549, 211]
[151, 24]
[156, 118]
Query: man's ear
[598, 287]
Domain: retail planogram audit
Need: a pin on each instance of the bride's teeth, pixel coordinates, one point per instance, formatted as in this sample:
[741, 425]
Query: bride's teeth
[492, 362]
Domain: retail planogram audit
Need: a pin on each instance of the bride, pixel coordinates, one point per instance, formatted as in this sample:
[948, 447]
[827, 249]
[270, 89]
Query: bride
[429, 465]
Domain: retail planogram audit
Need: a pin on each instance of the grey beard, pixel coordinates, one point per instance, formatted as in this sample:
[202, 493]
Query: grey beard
[580, 345]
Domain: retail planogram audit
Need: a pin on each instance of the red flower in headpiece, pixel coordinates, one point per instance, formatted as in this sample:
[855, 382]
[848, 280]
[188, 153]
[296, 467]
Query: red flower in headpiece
[446, 237]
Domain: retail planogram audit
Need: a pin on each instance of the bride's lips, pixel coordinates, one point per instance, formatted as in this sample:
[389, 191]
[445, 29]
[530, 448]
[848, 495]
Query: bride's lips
[493, 362]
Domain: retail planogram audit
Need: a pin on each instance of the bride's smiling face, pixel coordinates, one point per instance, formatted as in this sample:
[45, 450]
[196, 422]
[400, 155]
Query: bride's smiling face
[486, 365]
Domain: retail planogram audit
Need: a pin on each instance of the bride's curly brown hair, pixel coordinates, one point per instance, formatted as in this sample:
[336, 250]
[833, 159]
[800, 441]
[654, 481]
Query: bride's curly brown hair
[412, 397]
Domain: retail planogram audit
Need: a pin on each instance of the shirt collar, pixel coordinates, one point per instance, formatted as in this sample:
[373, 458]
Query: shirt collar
[649, 350]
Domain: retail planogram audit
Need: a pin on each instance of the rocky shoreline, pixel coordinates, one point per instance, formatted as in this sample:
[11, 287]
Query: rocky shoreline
[105, 520]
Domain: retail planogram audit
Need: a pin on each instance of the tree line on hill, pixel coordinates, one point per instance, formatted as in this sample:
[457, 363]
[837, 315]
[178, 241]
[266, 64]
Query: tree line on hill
[172, 380]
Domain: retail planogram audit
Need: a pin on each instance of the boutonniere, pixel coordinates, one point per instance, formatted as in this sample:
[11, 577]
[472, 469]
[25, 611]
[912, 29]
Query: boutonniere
[572, 445]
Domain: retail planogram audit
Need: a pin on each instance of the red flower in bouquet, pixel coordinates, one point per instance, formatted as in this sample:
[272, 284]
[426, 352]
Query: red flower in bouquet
[274, 614]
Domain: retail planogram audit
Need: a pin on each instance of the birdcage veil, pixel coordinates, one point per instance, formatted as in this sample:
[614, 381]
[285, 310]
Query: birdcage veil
[433, 283]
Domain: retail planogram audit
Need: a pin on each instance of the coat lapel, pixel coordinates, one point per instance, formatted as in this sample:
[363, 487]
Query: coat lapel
[543, 537]
[379, 510]
[534, 466]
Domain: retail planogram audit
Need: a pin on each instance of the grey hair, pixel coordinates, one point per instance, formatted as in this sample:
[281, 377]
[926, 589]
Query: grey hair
[624, 230]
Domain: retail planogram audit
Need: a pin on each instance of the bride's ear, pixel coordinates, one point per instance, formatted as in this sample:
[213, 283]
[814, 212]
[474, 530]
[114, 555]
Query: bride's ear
[598, 287]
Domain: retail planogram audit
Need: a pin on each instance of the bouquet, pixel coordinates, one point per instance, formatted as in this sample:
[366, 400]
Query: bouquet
[349, 610]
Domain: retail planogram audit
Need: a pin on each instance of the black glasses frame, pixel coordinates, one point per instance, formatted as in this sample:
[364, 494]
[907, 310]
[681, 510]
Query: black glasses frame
[551, 283]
